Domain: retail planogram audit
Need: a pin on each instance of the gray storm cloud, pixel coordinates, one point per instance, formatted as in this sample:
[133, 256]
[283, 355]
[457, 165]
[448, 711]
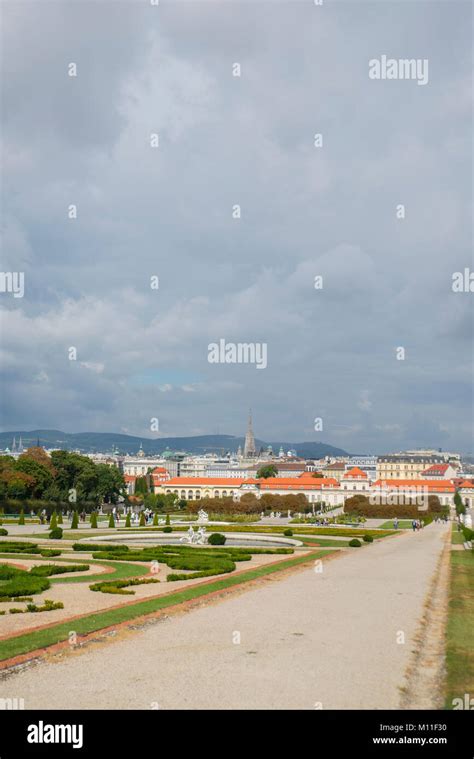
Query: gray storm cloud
[305, 211]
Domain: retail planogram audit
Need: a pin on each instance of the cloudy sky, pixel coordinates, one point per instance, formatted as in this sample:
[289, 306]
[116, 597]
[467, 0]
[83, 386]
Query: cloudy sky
[306, 211]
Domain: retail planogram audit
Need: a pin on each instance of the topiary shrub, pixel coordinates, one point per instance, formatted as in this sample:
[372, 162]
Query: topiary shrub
[167, 521]
[60, 517]
[94, 520]
[142, 519]
[111, 520]
[217, 539]
[22, 517]
[45, 570]
[53, 521]
[128, 521]
[355, 543]
[56, 534]
[20, 583]
[75, 520]
[368, 539]
[3, 531]
[49, 552]
[288, 533]
[155, 519]
[167, 529]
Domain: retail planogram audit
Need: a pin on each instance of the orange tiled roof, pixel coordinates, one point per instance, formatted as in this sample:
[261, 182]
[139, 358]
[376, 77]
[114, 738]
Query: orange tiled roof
[466, 484]
[444, 485]
[211, 482]
[295, 483]
[271, 483]
[355, 472]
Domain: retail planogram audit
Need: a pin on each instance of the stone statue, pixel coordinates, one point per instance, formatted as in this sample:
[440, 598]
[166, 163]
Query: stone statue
[201, 537]
[203, 516]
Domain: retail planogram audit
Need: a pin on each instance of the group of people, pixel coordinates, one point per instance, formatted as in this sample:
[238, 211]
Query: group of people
[45, 516]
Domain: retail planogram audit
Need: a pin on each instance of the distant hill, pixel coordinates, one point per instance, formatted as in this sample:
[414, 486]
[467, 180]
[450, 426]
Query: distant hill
[90, 442]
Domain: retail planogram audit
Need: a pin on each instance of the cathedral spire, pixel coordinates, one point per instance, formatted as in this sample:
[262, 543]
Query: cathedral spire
[249, 448]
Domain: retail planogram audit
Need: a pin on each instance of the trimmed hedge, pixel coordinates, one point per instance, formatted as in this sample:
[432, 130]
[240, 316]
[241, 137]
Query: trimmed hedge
[355, 543]
[45, 570]
[217, 539]
[117, 586]
[3, 531]
[19, 547]
[90, 547]
[56, 534]
[200, 562]
[20, 583]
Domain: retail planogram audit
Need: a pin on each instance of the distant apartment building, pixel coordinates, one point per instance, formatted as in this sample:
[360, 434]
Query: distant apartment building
[335, 470]
[404, 466]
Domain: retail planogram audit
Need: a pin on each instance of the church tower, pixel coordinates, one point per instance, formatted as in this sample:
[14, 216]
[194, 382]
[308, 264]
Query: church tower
[249, 448]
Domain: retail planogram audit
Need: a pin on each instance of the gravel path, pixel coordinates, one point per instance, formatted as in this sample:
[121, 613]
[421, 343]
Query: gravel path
[331, 640]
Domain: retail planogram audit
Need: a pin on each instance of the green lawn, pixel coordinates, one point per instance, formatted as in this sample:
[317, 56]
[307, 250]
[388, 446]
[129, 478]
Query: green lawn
[403, 524]
[460, 628]
[324, 542]
[89, 623]
[457, 536]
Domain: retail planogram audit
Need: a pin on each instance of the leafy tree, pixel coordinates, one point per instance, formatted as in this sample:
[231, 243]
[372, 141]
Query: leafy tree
[460, 508]
[41, 475]
[110, 483]
[150, 501]
[268, 470]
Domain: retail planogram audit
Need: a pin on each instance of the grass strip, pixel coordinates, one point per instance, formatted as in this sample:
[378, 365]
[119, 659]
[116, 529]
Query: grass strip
[22, 644]
[460, 630]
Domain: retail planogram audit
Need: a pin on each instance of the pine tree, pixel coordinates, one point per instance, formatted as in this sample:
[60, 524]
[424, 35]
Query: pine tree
[94, 520]
[128, 522]
[111, 520]
[75, 520]
[22, 517]
[53, 521]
